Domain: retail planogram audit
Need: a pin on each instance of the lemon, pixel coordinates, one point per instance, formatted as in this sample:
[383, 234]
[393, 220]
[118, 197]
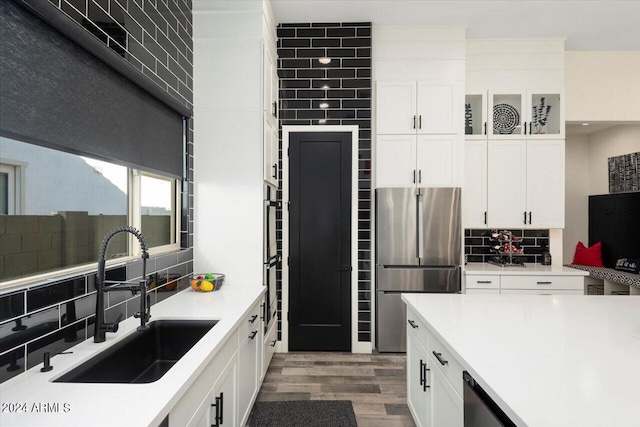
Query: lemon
[206, 286]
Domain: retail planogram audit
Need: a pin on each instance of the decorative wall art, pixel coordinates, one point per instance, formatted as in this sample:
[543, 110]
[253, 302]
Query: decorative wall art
[505, 119]
[540, 116]
[624, 173]
[468, 120]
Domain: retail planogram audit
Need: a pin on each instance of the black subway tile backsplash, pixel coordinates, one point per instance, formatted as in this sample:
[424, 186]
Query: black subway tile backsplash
[45, 296]
[30, 327]
[477, 244]
[11, 305]
[12, 363]
[346, 101]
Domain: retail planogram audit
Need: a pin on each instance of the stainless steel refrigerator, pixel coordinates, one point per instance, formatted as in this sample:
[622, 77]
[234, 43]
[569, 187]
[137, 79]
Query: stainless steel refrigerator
[418, 249]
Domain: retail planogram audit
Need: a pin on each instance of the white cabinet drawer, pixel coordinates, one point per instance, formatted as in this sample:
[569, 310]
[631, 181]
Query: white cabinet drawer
[444, 360]
[482, 282]
[250, 323]
[542, 282]
[415, 325]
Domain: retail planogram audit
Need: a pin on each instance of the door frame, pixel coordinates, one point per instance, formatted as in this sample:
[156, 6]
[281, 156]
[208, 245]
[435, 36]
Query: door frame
[283, 345]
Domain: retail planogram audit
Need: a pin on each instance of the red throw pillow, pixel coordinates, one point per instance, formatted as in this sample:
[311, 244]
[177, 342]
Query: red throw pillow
[588, 256]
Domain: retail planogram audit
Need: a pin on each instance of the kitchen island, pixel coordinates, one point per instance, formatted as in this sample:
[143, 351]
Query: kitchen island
[557, 360]
[33, 399]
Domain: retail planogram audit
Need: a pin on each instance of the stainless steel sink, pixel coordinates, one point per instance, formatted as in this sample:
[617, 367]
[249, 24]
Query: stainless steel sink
[143, 356]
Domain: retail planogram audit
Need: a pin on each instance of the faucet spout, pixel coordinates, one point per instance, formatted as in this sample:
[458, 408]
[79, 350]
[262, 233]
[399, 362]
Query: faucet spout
[101, 328]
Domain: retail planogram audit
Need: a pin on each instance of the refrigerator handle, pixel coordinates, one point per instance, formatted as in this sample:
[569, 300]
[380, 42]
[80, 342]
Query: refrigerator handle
[420, 227]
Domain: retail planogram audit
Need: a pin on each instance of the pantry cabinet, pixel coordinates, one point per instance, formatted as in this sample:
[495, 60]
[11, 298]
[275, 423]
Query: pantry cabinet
[416, 107]
[474, 192]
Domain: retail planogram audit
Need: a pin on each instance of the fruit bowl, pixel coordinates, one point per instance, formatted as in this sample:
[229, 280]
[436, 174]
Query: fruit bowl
[207, 282]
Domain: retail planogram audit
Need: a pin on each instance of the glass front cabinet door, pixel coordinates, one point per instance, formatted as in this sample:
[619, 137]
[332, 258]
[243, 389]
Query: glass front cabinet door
[545, 115]
[475, 116]
[506, 114]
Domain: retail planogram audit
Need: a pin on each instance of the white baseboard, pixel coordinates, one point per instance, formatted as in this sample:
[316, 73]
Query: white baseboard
[362, 347]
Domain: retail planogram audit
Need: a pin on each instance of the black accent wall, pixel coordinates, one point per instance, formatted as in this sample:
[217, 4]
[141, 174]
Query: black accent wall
[155, 37]
[338, 93]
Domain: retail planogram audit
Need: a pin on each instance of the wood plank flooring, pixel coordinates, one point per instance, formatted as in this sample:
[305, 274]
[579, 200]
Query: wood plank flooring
[374, 383]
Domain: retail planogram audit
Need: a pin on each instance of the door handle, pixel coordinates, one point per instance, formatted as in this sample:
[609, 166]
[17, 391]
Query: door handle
[485, 217]
[485, 128]
[420, 176]
[529, 217]
[421, 372]
[275, 171]
[426, 370]
[412, 323]
[345, 268]
[253, 335]
[544, 283]
[420, 225]
[440, 359]
[530, 128]
[525, 217]
[253, 318]
[525, 128]
[414, 176]
[414, 121]
[275, 109]
[420, 122]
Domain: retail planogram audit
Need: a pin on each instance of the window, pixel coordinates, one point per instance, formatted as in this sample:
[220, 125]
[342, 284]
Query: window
[56, 207]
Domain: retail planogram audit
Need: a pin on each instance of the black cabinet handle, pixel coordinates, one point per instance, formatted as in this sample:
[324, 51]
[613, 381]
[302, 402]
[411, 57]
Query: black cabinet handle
[275, 171]
[484, 281]
[253, 335]
[544, 283]
[421, 372]
[426, 370]
[529, 217]
[420, 122]
[485, 128]
[218, 405]
[440, 359]
[273, 344]
[420, 176]
[262, 316]
[413, 324]
[414, 122]
[414, 176]
[275, 109]
[530, 133]
[253, 318]
[221, 408]
[525, 128]
[485, 217]
[525, 217]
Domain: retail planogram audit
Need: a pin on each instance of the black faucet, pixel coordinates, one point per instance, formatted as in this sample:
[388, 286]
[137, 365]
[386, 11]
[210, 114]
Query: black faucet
[101, 287]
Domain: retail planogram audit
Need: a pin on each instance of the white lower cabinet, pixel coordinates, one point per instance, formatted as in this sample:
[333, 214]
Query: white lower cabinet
[432, 398]
[269, 347]
[418, 394]
[224, 393]
[519, 284]
[447, 408]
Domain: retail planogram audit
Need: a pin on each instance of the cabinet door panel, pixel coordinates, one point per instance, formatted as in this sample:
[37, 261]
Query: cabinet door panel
[395, 108]
[436, 108]
[248, 375]
[417, 394]
[226, 390]
[446, 405]
[436, 160]
[395, 160]
[545, 184]
[506, 183]
[474, 193]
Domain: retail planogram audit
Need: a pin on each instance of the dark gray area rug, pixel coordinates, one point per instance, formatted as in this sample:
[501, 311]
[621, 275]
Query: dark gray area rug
[311, 413]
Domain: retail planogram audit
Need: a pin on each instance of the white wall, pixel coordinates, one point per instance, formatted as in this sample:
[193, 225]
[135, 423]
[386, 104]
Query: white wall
[615, 141]
[576, 194]
[602, 86]
[587, 174]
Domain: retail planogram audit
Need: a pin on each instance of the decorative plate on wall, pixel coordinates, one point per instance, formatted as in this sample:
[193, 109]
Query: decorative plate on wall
[505, 119]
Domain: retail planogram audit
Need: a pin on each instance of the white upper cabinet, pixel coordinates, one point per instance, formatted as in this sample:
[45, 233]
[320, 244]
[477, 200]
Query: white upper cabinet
[545, 183]
[396, 161]
[525, 181]
[474, 192]
[410, 107]
[396, 108]
[436, 108]
[506, 181]
[509, 114]
[436, 160]
[270, 86]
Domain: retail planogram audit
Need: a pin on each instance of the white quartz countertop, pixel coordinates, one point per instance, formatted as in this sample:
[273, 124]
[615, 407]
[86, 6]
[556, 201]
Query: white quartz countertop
[530, 269]
[127, 404]
[559, 360]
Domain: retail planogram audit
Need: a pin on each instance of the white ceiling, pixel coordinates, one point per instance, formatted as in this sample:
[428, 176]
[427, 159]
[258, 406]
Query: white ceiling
[586, 24]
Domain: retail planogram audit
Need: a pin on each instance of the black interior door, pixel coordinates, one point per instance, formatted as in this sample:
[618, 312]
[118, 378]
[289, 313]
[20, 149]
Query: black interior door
[320, 241]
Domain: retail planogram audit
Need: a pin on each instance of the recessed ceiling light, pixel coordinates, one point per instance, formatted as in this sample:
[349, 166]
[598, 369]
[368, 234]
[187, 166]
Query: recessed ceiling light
[324, 60]
[585, 124]
[324, 105]
[325, 87]
[322, 121]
